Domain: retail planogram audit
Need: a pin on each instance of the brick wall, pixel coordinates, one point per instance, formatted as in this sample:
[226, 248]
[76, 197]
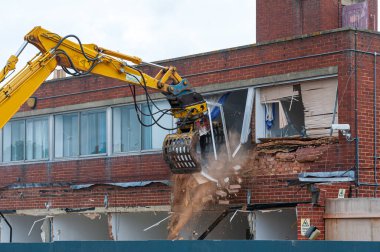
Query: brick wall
[279, 19]
[267, 174]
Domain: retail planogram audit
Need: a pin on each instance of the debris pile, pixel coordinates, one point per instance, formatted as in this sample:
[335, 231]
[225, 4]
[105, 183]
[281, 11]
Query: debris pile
[194, 192]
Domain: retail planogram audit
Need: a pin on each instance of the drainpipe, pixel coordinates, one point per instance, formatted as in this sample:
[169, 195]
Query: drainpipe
[356, 114]
[374, 125]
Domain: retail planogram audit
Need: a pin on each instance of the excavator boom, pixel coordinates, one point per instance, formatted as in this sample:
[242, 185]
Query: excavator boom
[75, 58]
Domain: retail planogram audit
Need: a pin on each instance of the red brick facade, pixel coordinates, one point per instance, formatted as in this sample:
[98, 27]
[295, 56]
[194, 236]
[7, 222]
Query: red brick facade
[280, 19]
[267, 174]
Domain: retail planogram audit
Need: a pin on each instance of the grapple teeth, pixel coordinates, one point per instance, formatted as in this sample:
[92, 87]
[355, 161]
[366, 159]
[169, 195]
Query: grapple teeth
[179, 152]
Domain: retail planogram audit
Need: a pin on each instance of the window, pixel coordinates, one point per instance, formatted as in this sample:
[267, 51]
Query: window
[93, 132]
[26, 140]
[129, 135]
[126, 130]
[304, 109]
[66, 135]
[230, 113]
[14, 141]
[81, 133]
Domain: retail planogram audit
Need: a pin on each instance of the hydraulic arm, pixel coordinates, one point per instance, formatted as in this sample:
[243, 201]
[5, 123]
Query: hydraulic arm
[75, 58]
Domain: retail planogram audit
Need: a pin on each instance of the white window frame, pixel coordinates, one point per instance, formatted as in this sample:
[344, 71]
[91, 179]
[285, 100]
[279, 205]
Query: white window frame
[25, 135]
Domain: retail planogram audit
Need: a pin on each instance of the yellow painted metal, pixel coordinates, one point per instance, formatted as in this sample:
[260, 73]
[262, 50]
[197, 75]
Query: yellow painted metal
[133, 59]
[191, 111]
[87, 58]
[11, 65]
[24, 84]
[107, 64]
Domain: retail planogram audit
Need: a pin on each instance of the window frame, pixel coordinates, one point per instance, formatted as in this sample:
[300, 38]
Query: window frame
[24, 160]
[79, 113]
[141, 150]
[54, 141]
[260, 128]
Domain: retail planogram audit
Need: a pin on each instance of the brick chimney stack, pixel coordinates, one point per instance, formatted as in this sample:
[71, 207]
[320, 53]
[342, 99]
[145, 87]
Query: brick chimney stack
[277, 19]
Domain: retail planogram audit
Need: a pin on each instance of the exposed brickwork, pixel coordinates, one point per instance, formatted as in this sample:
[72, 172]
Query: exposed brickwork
[266, 175]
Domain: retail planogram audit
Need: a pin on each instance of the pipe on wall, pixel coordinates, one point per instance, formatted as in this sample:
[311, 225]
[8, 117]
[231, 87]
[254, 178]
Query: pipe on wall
[375, 124]
[357, 163]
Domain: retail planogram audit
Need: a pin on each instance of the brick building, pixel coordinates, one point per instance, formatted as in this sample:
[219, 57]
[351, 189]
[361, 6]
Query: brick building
[81, 167]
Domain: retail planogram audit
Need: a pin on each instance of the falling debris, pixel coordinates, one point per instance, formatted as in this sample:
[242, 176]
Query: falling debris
[93, 216]
[193, 193]
[188, 199]
[158, 223]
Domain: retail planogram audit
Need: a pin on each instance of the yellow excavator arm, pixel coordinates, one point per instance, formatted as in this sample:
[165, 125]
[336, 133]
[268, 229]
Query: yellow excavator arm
[76, 58]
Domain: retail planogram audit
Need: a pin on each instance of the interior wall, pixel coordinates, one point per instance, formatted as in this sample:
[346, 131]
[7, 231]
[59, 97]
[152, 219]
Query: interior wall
[21, 226]
[130, 226]
[77, 227]
[280, 224]
[225, 230]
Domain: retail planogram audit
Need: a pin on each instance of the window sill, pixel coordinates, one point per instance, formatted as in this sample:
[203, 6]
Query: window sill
[87, 157]
[37, 161]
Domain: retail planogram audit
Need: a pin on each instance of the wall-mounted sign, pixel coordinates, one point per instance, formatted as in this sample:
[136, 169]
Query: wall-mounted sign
[341, 193]
[305, 225]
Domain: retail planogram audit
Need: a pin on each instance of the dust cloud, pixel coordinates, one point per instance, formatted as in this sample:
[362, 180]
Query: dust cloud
[192, 193]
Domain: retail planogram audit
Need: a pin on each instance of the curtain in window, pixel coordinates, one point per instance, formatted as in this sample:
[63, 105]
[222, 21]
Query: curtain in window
[13, 141]
[37, 142]
[66, 135]
[93, 133]
[126, 129]
[319, 101]
[146, 132]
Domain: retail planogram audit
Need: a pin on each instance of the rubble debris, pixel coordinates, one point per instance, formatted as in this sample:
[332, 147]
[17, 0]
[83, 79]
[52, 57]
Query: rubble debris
[92, 216]
[232, 187]
[224, 202]
[221, 193]
[289, 144]
[157, 223]
[285, 157]
[188, 198]
[192, 193]
[304, 155]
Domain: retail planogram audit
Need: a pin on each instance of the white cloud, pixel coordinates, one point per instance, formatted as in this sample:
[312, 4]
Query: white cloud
[150, 29]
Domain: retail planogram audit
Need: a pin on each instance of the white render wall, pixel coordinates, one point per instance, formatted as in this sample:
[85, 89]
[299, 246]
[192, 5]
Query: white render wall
[77, 227]
[130, 226]
[21, 224]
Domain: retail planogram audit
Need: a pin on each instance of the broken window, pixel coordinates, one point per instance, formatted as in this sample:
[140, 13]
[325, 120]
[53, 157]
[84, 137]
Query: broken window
[304, 109]
[230, 114]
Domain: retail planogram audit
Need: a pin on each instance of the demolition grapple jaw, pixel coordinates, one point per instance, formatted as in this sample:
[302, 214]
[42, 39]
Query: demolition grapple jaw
[180, 152]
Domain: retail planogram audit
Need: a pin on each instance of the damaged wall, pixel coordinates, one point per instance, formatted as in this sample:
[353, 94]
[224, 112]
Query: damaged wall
[236, 229]
[21, 226]
[44, 185]
[130, 226]
[79, 227]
